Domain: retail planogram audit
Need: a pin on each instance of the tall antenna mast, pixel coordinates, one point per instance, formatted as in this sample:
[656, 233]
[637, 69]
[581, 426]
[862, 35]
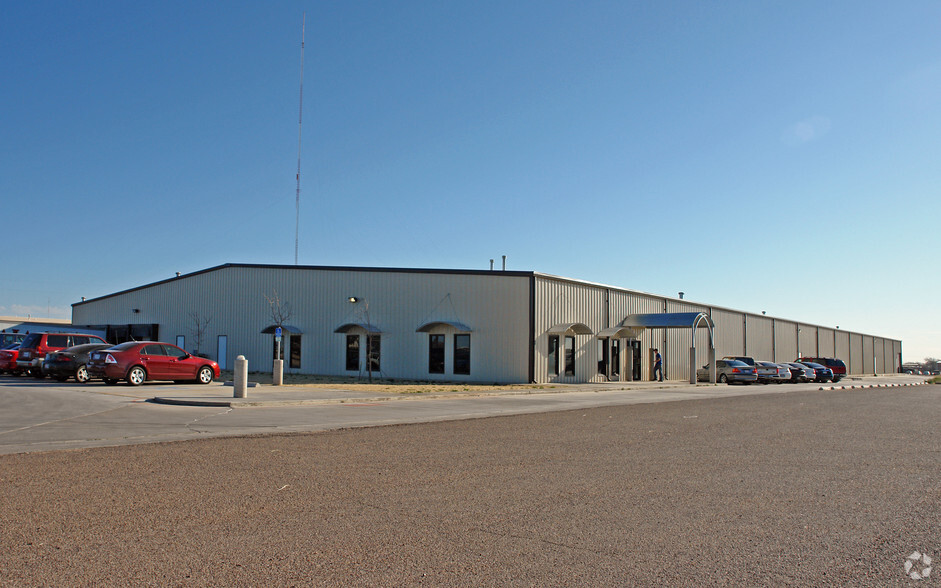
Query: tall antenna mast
[300, 118]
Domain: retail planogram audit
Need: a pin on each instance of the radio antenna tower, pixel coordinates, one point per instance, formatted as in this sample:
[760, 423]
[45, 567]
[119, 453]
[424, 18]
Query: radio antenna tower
[300, 118]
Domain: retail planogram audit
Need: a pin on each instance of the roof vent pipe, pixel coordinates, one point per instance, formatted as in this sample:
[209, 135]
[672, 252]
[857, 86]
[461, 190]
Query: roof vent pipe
[491, 265]
[504, 263]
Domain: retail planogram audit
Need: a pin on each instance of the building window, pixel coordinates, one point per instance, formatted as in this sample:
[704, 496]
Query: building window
[352, 353]
[435, 354]
[295, 362]
[181, 341]
[462, 354]
[570, 356]
[553, 355]
[372, 343]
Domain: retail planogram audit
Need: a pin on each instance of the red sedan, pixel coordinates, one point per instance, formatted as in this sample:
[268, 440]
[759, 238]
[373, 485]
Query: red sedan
[140, 361]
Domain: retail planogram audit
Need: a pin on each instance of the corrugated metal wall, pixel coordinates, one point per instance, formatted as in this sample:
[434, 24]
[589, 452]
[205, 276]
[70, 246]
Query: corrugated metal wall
[496, 306]
[759, 336]
[825, 342]
[785, 340]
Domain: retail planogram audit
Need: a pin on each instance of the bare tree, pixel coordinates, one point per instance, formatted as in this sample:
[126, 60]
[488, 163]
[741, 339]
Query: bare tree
[280, 314]
[198, 326]
[280, 311]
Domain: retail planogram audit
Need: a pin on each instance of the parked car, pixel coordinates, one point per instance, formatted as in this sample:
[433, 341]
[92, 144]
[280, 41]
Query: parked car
[35, 346]
[729, 371]
[801, 372]
[71, 362]
[140, 361]
[7, 339]
[8, 359]
[772, 373]
[821, 372]
[836, 366]
[744, 359]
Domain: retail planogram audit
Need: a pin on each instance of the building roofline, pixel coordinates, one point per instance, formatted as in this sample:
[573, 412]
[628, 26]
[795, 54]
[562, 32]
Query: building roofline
[397, 270]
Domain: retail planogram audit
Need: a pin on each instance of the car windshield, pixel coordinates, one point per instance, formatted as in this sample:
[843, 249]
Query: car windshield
[735, 363]
[124, 346]
[31, 340]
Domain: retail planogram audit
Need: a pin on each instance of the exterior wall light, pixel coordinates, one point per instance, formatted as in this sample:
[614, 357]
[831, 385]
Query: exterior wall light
[352, 299]
[135, 310]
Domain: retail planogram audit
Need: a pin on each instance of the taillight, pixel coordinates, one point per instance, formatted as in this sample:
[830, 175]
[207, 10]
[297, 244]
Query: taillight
[110, 359]
[62, 358]
[736, 370]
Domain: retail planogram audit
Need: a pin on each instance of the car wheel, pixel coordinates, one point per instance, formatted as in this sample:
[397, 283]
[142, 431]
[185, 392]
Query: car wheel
[81, 374]
[110, 381]
[205, 375]
[36, 374]
[723, 379]
[136, 376]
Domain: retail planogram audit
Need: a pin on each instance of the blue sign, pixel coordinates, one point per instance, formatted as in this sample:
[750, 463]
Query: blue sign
[277, 332]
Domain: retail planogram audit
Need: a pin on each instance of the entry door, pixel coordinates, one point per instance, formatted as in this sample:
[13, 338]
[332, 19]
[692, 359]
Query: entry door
[615, 358]
[635, 349]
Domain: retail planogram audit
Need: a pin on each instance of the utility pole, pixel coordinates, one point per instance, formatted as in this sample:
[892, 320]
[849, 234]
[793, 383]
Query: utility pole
[300, 118]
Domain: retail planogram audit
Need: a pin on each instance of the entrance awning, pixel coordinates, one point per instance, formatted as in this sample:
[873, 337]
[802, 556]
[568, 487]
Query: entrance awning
[620, 333]
[428, 327]
[667, 320]
[346, 328]
[570, 329]
[288, 328]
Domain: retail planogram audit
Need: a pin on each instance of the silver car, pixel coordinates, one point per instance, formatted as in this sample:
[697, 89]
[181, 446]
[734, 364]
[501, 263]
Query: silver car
[772, 373]
[729, 371]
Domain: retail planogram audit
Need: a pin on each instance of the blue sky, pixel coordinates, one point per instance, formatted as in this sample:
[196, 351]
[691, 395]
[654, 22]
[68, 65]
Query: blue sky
[776, 156]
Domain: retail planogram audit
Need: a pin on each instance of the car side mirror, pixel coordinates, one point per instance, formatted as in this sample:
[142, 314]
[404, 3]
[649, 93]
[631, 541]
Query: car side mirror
[186, 356]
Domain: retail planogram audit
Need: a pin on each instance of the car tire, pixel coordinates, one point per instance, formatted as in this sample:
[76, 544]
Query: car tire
[81, 374]
[110, 381]
[36, 374]
[205, 375]
[136, 376]
[723, 379]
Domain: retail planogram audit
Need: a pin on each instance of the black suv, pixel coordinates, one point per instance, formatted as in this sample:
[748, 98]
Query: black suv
[836, 365]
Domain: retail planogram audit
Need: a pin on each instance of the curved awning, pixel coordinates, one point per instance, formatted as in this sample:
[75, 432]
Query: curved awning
[620, 333]
[287, 328]
[667, 320]
[570, 329]
[429, 326]
[346, 328]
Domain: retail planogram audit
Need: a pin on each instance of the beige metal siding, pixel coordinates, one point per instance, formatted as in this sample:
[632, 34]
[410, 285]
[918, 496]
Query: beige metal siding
[825, 342]
[730, 332]
[855, 365]
[785, 340]
[842, 348]
[807, 340]
[759, 336]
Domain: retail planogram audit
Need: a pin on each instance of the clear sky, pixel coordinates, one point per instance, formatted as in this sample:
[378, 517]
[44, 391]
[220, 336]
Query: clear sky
[763, 156]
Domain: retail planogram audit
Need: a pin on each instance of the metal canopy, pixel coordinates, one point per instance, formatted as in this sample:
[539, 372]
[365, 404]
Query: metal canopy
[429, 326]
[570, 329]
[346, 328]
[667, 320]
[288, 328]
[620, 333]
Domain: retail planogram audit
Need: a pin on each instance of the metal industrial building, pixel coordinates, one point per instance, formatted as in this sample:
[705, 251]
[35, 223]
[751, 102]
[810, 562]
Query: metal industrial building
[456, 325]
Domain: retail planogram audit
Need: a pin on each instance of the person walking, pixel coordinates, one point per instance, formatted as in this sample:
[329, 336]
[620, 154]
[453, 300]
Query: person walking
[657, 365]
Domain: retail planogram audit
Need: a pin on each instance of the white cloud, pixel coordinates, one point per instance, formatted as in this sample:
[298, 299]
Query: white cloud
[807, 130]
[20, 310]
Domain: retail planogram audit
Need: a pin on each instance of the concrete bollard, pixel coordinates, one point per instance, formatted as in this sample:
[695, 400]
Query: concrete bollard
[277, 375]
[240, 380]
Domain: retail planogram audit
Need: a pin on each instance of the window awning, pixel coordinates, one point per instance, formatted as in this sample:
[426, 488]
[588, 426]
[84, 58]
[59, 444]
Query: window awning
[288, 328]
[429, 326]
[570, 329]
[620, 333]
[346, 328]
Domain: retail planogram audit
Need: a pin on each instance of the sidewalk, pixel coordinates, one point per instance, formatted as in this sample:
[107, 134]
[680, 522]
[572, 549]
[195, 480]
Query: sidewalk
[222, 394]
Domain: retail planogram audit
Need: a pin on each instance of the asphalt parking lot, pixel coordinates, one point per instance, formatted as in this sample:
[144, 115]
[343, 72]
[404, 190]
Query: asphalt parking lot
[805, 488]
